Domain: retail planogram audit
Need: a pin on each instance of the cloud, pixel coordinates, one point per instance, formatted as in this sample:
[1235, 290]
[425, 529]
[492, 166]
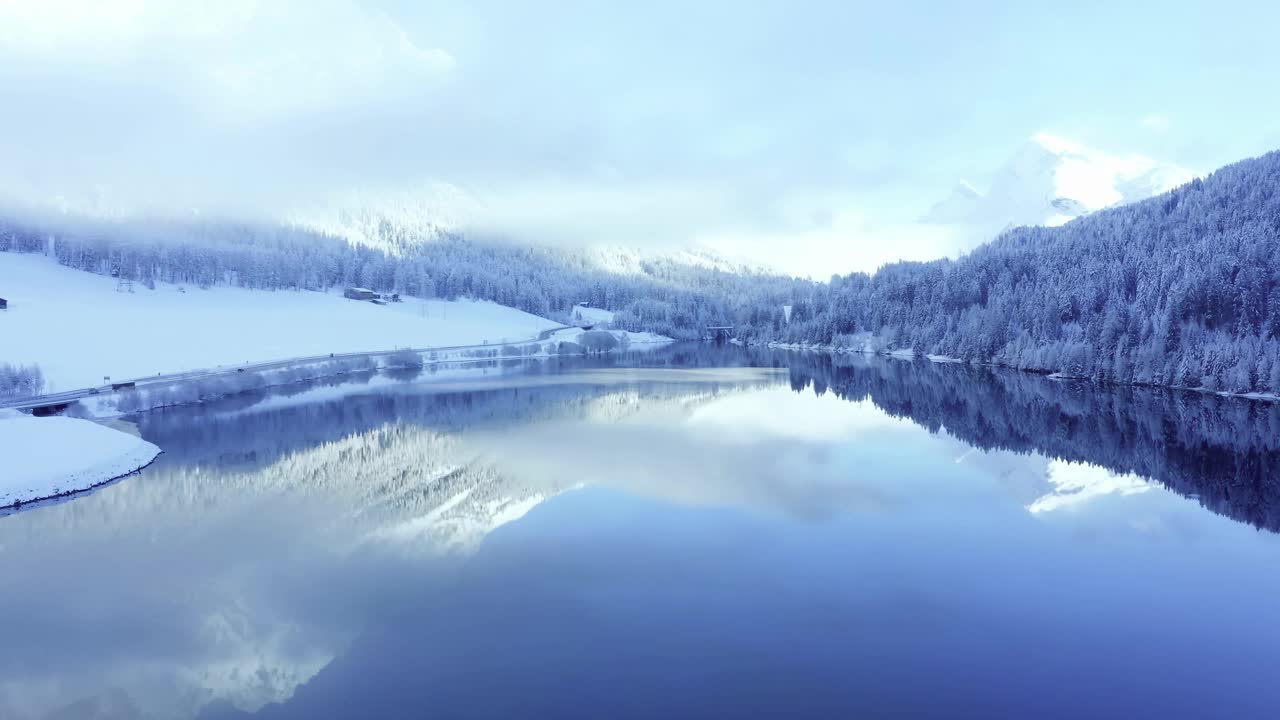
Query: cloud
[162, 105]
[841, 238]
[806, 140]
[542, 125]
[1157, 123]
[228, 58]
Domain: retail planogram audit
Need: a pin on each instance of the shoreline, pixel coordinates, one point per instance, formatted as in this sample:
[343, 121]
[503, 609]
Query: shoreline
[1059, 375]
[275, 373]
[35, 453]
[53, 457]
[21, 505]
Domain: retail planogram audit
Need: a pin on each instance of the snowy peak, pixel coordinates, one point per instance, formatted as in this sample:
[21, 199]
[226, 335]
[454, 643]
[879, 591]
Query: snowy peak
[960, 205]
[399, 221]
[1051, 180]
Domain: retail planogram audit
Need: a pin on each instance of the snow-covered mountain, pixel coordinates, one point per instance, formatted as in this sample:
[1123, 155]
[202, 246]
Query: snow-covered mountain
[392, 220]
[630, 261]
[1050, 181]
[400, 219]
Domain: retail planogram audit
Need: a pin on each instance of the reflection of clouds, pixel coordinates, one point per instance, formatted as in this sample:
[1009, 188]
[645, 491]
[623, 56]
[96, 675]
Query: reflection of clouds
[783, 413]
[216, 604]
[1077, 483]
[1046, 485]
[1089, 501]
[704, 460]
[231, 592]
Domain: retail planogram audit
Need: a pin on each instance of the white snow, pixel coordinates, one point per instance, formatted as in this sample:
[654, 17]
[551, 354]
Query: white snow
[78, 328]
[1050, 181]
[645, 338]
[379, 217]
[624, 336]
[630, 261]
[46, 457]
[596, 316]
[1268, 397]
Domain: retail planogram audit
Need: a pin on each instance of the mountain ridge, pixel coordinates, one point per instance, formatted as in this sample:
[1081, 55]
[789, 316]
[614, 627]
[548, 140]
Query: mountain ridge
[1050, 181]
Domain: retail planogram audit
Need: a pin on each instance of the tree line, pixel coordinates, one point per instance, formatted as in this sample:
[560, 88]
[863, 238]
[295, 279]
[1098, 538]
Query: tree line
[665, 296]
[1222, 452]
[1179, 290]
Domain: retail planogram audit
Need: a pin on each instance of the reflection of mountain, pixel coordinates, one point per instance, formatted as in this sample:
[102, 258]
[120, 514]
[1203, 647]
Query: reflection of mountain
[1224, 452]
[245, 431]
[373, 476]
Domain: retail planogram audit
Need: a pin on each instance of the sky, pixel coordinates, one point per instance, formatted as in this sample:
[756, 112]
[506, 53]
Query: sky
[812, 136]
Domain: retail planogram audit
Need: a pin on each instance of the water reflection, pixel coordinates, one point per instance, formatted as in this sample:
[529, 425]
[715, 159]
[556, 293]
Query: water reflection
[1222, 452]
[659, 536]
[227, 570]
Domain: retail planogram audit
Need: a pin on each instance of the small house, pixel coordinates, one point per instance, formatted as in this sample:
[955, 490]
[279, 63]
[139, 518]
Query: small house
[4, 304]
[355, 293]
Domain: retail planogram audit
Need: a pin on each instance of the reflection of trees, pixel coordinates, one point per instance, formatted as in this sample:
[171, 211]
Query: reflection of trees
[1223, 451]
[245, 431]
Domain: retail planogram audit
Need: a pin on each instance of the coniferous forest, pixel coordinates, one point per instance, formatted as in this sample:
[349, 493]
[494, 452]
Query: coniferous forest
[1179, 290]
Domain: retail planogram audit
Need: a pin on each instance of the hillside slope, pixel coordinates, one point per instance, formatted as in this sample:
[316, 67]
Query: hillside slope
[1180, 290]
[78, 328]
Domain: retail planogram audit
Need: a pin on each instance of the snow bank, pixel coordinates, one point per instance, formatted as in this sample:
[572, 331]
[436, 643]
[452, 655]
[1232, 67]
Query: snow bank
[625, 337]
[47, 457]
[79, 329]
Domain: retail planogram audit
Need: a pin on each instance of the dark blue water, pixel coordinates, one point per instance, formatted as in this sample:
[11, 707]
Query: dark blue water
[692, 533]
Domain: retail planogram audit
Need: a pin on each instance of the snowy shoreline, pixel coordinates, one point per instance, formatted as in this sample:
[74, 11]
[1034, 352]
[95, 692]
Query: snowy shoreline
[56, 457]
[906, 354]
[194, 392]
[38, 465]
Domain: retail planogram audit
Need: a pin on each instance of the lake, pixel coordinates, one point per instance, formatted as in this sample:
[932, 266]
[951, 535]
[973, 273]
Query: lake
[691, 532]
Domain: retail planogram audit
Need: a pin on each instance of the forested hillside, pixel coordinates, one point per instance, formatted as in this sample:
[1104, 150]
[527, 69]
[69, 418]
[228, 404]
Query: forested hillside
[665, 296]
[1182, 289]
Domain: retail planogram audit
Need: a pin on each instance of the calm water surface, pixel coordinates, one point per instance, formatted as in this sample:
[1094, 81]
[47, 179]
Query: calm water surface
[688, 533]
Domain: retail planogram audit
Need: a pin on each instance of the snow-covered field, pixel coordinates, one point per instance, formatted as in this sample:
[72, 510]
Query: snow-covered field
[46, 457]
[78, 328]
